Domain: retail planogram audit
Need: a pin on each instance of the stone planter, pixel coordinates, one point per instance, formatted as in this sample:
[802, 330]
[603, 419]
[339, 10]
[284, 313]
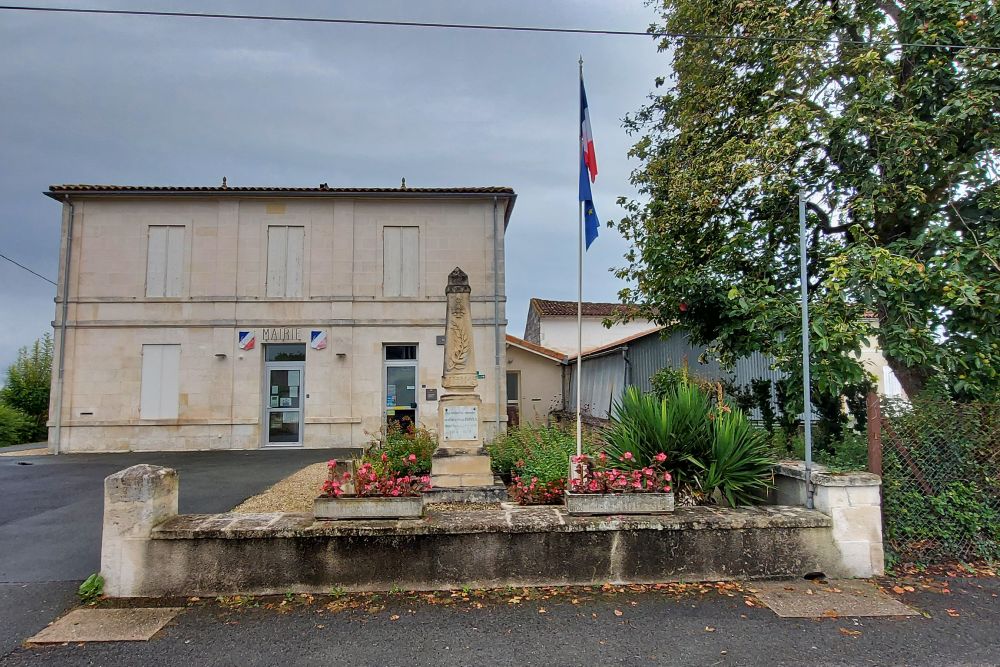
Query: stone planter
[619, 503]
[368, 507]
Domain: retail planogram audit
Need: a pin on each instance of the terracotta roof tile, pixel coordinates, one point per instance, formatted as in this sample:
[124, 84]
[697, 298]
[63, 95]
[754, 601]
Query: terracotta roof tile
[538, 349]
[549, 308]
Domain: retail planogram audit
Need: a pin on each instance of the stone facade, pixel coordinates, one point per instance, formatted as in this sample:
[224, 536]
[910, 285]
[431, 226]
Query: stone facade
[223, 293]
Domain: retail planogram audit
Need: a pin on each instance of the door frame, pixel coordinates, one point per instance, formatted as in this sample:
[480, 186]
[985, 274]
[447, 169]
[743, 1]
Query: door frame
[397, 363]
[299, 366]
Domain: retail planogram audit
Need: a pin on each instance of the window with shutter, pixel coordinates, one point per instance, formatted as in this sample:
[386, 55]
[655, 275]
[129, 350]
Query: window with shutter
[165, 261]
[160, 384]
[400, 261]
[285, 248]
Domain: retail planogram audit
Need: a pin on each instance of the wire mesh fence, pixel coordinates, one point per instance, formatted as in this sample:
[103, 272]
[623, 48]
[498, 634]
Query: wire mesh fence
[940, 480]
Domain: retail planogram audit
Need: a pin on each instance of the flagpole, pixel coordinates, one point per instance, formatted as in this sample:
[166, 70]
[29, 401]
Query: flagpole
[579, 300]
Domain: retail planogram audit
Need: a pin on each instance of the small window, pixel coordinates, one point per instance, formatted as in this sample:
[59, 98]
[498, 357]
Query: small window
[513, 386]
[165, 260]
[285, 246]
[400, 260]
[160, 383]
[285, 352]
[400, 352]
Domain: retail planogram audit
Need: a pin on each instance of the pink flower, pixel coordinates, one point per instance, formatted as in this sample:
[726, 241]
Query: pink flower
[661, 457]
[627, 456]
[384, 458]
[412, 458]
[602, 457]
[666, 489]
[667, 477]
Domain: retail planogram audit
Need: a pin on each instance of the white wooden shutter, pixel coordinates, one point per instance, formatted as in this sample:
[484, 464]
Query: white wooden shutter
[409, 261]
[392, 249]
[294, 249]
[285, 250]
[160, 386]
[174, 273]
[165, 260]
[156, 261]
[277, 244]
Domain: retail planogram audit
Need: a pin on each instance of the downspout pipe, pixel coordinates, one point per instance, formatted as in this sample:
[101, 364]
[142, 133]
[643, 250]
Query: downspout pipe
[496, 310]
[64, 315]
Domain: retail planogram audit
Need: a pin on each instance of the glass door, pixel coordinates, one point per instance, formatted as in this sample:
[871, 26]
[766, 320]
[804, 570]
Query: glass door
[283, 385]
[401, 385]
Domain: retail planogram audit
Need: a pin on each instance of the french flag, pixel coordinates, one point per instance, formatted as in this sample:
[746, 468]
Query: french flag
[588, 169]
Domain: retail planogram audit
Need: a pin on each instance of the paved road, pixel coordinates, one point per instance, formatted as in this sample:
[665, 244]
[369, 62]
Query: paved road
[50, 517]
[656, 629]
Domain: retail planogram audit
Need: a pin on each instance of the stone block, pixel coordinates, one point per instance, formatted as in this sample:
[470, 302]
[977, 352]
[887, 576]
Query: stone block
[135, 501]
[463, 464]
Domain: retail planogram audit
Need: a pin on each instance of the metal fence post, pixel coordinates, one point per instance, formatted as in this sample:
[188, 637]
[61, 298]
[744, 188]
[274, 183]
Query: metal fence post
[874, 411]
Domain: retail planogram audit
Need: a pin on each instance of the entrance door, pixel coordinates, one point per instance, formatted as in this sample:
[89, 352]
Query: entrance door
[401, 385]
[513, 398]
[284, 375]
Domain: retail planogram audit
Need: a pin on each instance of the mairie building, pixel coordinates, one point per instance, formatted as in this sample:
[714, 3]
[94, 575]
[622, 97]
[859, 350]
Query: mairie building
[199, 318]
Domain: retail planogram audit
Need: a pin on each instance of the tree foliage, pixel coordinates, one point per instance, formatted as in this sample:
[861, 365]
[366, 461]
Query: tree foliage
[27, 385]
[896, 148]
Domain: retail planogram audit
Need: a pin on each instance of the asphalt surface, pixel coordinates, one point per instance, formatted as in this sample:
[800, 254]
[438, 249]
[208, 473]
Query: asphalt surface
[51, 508]
[652, 628]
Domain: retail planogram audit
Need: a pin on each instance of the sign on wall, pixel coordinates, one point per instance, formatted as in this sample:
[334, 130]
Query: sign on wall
[247, 340]
[461, 422]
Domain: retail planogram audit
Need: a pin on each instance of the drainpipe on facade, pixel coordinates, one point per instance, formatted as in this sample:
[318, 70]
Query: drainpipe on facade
[496, 308]
[61, 366]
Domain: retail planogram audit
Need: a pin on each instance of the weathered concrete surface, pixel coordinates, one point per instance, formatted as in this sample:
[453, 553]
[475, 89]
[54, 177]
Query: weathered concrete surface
[376, 507]
[107, 625]
[225, 554]
[495, 493]
[619, 503]
[814, 599]
[852, 500]
[135, 500]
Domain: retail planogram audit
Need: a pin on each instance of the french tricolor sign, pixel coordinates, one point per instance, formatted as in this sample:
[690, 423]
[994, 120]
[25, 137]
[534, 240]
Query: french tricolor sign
[317, 340]
[247, 340]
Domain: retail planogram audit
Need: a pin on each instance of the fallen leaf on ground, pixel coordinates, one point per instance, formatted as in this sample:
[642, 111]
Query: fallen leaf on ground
[847, 632]
[830, 613]
[541, 610]
[618, 612]
[953, 613]
[898, 590]
[709, 628]
[394, 617]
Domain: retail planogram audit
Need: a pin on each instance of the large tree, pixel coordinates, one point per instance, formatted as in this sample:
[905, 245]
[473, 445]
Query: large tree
[896, 147]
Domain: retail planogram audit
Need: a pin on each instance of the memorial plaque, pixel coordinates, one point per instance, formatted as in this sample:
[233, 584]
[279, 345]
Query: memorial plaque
[461, 422]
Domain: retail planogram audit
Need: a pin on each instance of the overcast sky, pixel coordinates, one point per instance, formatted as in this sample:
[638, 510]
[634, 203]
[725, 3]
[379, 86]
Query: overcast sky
[167, 101]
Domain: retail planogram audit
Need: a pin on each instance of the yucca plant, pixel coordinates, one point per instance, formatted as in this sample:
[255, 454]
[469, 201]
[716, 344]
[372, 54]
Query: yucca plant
[677, 425]
[739, 466]
[709, 447]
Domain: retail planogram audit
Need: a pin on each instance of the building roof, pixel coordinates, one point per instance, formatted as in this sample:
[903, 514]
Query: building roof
[322, 189]
[549, 308]
[621, 342]
[537, 349]
[66, 190]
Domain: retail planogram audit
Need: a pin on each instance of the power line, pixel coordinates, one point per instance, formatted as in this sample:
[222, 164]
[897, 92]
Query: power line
[2, 256]
[495, 27]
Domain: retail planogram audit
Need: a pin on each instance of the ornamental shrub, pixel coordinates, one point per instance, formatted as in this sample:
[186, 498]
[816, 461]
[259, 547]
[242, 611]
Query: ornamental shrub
[399, 441]
[534, 460]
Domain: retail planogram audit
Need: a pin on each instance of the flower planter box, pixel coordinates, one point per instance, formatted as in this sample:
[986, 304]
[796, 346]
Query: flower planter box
[619, 503]
[369, 507]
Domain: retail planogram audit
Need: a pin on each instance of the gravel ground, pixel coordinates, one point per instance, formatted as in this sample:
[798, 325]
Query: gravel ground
[294, 493]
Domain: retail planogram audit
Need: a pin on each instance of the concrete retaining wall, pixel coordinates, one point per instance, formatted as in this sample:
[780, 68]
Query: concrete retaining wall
[273, 553]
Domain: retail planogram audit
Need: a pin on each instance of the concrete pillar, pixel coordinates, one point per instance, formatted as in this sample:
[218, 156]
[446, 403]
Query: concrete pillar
[135, 500]
[853, 501]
